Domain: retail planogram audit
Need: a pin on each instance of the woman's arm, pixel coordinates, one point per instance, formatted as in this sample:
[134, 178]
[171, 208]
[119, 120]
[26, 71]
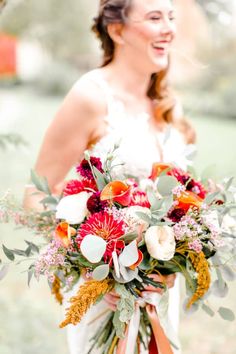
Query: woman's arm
[75, 125]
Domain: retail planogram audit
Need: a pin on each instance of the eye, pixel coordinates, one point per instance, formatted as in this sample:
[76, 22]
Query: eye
[155, 18]
[172, 18]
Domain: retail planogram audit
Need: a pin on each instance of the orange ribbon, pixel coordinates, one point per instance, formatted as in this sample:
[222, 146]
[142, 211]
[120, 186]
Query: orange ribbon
[160, 338]
[162, 342]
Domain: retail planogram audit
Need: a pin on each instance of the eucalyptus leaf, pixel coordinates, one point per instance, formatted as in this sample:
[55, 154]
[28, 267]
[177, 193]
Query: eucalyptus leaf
[228, 273]
[49, 200]
[226, 314]
[9, 253]
[219, 289]
[166, 184]
[126, 303]
[118, 325]
[30, 274]
[93, 248]
[126, 275]
[100, 178]
[40, 182]
[154, 201]
[19, 252]
[189, 311]
[101, 272]
[4, 270]
[34, 247]
[229, 183]
[143, 216]
[28, 251]
[208, 310]
[211, 197]
[129, 237]
[129, 255]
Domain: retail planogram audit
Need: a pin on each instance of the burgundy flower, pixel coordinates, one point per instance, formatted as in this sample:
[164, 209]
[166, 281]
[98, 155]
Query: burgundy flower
[95, 204]
[176, 214]
[84, 168]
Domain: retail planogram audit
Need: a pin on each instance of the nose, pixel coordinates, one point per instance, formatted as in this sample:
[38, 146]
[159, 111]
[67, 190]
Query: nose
[168, 27]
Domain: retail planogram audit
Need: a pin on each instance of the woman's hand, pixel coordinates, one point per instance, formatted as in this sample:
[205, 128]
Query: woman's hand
[169, 280]
[112, 299]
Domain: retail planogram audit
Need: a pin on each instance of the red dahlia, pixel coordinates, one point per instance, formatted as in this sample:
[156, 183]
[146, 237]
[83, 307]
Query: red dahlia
[75, 186]
[104, 225]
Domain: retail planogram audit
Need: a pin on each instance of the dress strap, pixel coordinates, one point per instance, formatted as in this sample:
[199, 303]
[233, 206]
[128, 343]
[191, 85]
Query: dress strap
[97, 78]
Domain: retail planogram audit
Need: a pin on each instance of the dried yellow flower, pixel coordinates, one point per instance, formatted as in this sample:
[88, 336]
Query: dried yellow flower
[201, 266]
[56, 287]
[86, 296]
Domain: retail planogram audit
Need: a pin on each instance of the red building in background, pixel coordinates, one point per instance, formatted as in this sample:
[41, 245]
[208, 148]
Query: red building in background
[8, 44]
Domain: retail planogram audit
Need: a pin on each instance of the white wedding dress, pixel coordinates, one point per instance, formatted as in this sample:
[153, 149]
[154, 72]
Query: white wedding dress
[139, 147]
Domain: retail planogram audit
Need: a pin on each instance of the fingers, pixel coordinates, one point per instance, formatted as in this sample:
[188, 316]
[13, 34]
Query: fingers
[168, 280]
[111, 299]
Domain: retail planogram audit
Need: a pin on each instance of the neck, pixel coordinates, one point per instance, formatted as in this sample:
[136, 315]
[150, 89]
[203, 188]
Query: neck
[129, 76]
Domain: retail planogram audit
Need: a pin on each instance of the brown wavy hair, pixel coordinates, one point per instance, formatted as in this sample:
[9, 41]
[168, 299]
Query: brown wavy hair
[117, 11]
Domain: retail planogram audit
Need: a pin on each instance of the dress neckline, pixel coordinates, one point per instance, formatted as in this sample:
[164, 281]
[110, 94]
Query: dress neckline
[144, 116]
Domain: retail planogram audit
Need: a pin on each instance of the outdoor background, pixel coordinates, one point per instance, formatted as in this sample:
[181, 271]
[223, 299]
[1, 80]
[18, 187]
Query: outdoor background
[44, 48]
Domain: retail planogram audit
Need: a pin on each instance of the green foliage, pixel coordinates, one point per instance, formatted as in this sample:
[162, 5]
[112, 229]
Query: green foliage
[11, 139]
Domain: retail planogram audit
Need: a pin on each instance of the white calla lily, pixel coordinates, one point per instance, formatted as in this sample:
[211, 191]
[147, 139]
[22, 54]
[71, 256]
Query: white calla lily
[73, 208]
[160, 242]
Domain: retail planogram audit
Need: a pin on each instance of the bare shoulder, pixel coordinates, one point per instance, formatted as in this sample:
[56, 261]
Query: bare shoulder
[87, 95]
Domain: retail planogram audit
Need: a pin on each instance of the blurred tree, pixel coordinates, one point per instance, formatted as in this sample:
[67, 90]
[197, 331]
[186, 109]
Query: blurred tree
[62, 27]
[220, 15]
[2, 4]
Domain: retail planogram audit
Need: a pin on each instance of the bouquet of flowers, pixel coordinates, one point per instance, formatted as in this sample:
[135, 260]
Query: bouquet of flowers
[117, 233]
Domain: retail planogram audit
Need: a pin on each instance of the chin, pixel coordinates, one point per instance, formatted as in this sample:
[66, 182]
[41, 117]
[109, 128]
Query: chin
[160, 64]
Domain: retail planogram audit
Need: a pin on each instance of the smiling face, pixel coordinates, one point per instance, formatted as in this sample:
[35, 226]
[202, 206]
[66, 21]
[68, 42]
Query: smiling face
[149, 32]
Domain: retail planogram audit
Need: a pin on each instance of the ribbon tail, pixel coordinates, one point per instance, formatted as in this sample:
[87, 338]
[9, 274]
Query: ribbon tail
[122, 344]
[127, 345]
[162, 342]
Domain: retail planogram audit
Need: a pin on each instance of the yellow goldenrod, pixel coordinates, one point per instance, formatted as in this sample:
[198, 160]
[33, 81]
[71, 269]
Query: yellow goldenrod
[56, 287]
[86, 296]
[201, 266]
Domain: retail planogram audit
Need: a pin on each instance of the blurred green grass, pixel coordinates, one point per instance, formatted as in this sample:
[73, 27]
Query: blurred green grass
[30, 317]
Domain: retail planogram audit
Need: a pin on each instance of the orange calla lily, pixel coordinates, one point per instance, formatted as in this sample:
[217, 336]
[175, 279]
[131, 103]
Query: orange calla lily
[189, 199]
[140, 259]
[117, 191]
[157, 169]
[64, 232]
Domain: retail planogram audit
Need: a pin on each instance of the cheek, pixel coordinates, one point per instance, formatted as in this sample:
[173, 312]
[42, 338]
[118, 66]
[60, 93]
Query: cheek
[142, 33]
[147, 32]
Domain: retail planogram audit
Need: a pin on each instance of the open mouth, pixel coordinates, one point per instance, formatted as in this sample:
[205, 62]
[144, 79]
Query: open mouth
[161, 47]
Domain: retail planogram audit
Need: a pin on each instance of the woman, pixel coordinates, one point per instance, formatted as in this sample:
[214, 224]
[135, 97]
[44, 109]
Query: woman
[127, 100]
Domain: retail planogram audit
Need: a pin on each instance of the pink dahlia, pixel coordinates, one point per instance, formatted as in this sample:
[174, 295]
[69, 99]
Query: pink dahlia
[75, 186]
[105, 226]
[84, 168]
[140, 198]
[95, 204]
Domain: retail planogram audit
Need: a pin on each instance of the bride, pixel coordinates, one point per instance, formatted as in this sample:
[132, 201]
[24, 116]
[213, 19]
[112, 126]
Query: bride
[127, 101]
